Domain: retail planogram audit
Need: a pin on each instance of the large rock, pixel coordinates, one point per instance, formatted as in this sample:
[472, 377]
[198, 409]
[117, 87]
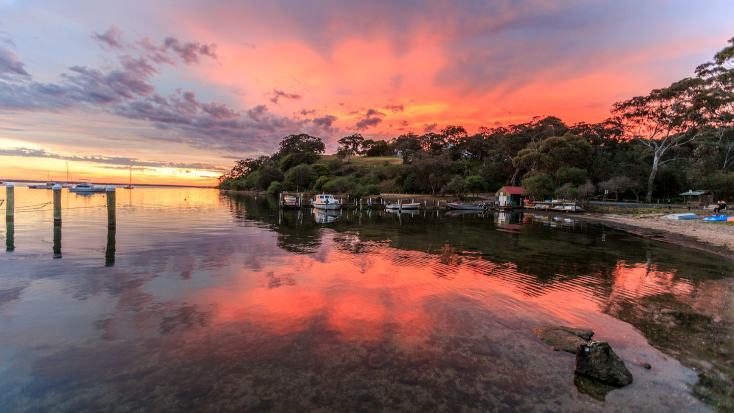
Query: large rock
[563, 338]
[597, 360]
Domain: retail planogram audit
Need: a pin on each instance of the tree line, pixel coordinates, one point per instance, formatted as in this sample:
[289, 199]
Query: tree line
[675, 138]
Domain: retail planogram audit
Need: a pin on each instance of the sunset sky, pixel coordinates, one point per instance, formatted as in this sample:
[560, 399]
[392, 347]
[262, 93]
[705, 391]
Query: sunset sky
[178, 90]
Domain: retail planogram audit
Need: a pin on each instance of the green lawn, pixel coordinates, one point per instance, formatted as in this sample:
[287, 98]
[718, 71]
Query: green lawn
[367, 160]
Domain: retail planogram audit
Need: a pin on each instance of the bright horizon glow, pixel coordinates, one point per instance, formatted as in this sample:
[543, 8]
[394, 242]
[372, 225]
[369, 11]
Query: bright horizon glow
[99, 86]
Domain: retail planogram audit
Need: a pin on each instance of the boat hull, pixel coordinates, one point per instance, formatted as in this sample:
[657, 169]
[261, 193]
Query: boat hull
[404, 207]
[87, 190]
[464, 207]
[326, 206]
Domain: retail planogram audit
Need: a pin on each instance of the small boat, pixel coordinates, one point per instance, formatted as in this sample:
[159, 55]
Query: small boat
[325, 201]
[730, 219]
[86, 187]
[397, 207]
[47, 185]
[681, 216]
[717, 218]
[466, 207]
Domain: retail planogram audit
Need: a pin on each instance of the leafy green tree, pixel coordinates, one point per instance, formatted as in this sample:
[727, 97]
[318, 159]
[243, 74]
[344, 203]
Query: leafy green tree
[407, 145]
[377, 148]
[409, 185]
[573, 175]
[351, 145]
[300, 143]
[538, 185]
[456, 186]
[275, 188]
[267, 176]
[301, 176]
[320, 169]
[474, 184]
[299, 158]
[321, 182]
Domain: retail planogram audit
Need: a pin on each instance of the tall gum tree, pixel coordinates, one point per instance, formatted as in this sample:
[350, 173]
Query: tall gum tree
[671, 117]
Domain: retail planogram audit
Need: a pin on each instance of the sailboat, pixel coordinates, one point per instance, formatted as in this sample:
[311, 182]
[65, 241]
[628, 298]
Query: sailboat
[48, 185]
[68, 183]
[130, 186]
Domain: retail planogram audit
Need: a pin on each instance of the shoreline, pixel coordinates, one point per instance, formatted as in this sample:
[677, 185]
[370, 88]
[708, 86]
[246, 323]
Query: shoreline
[710, 237]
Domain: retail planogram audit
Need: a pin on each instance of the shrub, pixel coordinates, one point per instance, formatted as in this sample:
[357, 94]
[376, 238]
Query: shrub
[275, 188]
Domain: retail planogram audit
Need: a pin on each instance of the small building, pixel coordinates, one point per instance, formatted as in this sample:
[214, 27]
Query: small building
[509, 197]
[699, 197]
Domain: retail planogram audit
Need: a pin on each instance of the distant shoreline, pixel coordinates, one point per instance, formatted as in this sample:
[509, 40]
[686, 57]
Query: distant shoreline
[110, 183]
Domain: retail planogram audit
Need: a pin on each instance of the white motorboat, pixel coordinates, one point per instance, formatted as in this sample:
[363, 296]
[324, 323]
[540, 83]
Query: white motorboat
[86, 187]
[325, 201]
[466, 207]
[405, 207]
[47, 185]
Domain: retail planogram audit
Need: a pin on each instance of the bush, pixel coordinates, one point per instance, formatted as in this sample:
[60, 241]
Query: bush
[275, 188]
[409, 185]
[289, 161]
[540, 186]
[321, 182]
[267, 176]
[320, 169]
[340, 185]
[361, 191]
[334, 165]
[574, 176]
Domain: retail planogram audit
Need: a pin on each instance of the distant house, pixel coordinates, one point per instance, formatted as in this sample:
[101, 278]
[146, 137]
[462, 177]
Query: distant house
[509, 196]
[698, 197]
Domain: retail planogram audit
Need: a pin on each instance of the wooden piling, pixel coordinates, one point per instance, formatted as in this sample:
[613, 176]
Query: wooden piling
[111, 213]
[9, 203]
[57, 241]
[57, 205]
[9, 236]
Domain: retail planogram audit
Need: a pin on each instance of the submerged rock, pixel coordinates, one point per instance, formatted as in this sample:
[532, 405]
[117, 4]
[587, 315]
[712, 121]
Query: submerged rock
[597, 360]
[563, 338]
[644, 364]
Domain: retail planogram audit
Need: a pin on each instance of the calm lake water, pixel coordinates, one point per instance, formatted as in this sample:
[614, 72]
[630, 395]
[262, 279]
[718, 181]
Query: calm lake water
[203, 301]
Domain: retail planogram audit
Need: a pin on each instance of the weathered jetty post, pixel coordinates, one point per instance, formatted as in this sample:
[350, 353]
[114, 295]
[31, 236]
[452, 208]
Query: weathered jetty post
[9, 236]
[111, 213]
[57, 205]
[109, 252]
[10, 203]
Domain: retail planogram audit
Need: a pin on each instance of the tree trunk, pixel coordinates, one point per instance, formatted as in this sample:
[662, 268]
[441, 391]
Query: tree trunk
[651, 178]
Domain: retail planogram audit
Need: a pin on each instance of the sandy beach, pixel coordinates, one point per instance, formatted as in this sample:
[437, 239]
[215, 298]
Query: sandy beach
[713, 237]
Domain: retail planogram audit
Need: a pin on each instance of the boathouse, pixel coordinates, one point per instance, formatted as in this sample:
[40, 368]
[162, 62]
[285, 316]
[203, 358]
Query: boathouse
[509, 196]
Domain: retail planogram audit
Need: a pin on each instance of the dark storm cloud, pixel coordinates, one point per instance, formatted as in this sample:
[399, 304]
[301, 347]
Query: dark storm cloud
[278, 94]
[367, 123]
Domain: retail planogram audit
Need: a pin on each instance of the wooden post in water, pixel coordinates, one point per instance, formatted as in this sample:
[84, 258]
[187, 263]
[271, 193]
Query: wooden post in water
[57, 241]
[57, 205]
[10, 203]
[111, 213]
